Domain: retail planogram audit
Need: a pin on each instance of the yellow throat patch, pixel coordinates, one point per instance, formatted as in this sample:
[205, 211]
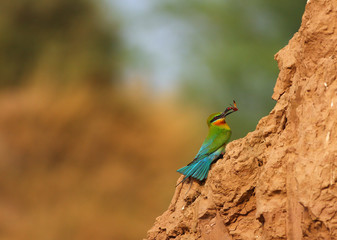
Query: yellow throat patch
[221, 123]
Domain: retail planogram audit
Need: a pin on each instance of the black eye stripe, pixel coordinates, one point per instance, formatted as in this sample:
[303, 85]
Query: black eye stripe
[216, 118]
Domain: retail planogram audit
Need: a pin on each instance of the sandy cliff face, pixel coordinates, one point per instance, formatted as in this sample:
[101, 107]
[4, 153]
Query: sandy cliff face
[279, 182]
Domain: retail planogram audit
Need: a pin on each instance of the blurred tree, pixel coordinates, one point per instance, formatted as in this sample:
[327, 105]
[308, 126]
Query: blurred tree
[58, 41]
[228, 52]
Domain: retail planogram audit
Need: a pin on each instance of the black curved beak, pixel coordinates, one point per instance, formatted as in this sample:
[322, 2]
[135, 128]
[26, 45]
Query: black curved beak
[231, 109]
[226, 113]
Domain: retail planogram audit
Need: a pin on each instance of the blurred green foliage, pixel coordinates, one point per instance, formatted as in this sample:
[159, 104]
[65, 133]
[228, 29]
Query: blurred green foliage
[57, 41]
[228, 52]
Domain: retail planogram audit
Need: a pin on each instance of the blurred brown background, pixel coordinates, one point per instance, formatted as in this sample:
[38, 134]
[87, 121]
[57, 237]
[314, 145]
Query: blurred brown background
[101, 102]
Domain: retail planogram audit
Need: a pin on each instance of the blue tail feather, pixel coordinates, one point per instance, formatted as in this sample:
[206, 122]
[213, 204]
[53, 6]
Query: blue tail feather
[198, 169]
[197, 173]
[202, 171]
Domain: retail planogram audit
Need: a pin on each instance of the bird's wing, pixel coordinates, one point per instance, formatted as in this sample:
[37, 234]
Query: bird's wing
[210, 145]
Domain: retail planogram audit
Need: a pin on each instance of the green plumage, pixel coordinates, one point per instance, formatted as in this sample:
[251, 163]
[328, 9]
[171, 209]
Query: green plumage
[213, 146]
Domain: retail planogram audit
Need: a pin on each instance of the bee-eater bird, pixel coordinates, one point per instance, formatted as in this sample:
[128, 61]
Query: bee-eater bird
[213, 146]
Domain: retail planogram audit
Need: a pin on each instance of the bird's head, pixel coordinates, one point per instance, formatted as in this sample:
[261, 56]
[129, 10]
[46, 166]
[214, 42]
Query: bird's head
[219, 118]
